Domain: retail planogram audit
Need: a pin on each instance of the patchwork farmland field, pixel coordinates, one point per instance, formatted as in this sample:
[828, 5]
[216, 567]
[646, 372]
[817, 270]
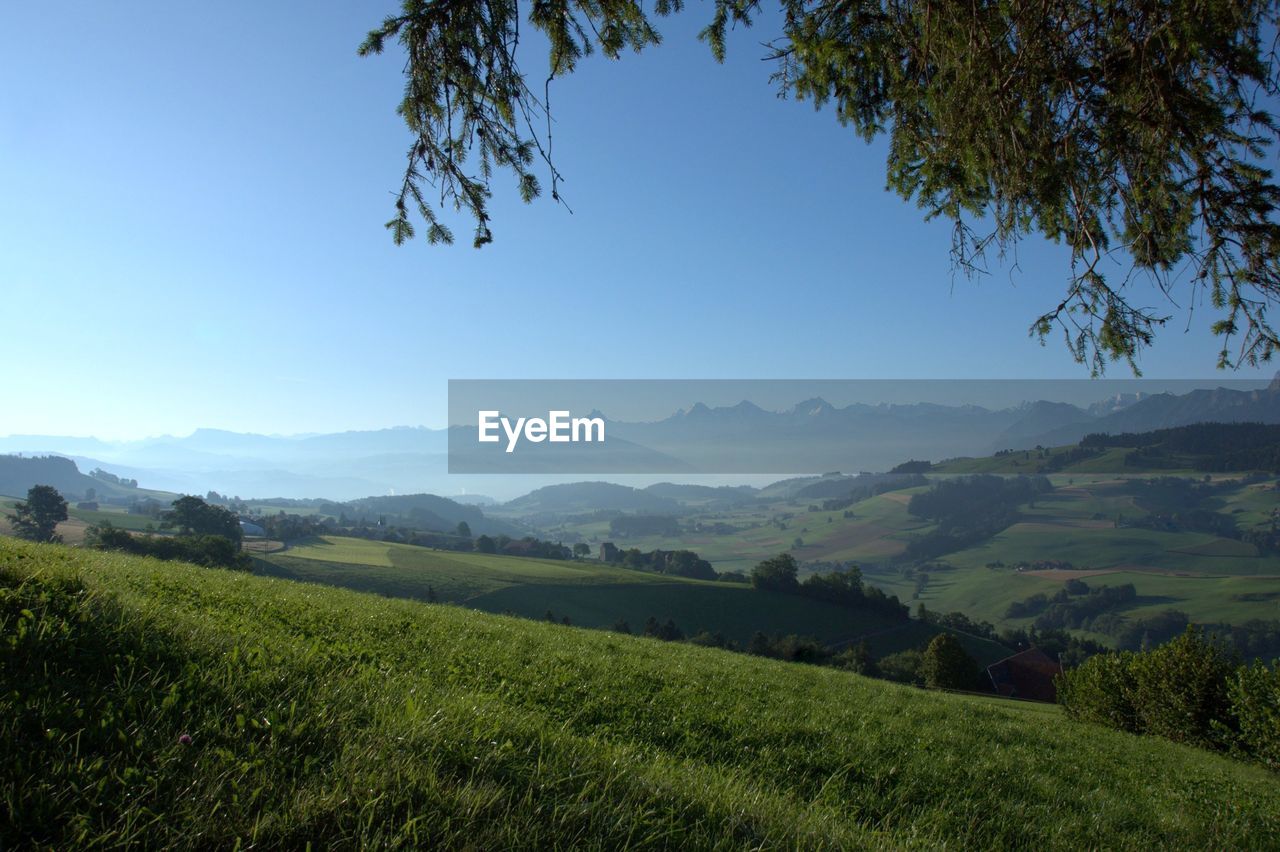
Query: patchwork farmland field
[1088, 521]
[592, 594]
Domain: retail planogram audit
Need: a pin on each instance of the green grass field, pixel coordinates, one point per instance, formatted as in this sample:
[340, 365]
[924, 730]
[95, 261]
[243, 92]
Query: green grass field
[1027, 462]
[985, 594]
[591, 594]
[155, 704]
[1085, 521]
[878, 531]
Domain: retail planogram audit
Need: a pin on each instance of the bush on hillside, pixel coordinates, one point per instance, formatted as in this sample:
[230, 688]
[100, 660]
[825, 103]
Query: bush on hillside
[211, 551]
[1179, 689]
[903, 667]
[1098, 691]
[1189, 690]
[777, 574]
[1254, 694]
[946, 665]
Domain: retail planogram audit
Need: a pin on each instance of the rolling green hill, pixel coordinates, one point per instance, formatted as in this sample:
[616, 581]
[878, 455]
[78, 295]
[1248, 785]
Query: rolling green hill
[153, 704]
[592, 594]
[1092, 521]
[19, 473]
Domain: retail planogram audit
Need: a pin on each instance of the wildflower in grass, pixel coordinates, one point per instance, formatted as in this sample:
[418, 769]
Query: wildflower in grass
[185, 739]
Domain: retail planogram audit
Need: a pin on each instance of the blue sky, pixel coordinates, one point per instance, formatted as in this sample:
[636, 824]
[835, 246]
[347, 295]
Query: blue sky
[191, 209]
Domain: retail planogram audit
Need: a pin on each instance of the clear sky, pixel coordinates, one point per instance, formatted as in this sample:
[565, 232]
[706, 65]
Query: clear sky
[191, 209]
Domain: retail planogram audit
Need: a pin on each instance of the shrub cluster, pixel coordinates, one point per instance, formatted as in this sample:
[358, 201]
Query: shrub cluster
[1190, 690]
[211, 551]
[844, 588]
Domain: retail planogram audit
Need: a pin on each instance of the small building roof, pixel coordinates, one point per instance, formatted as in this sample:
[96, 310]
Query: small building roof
[1027, 674]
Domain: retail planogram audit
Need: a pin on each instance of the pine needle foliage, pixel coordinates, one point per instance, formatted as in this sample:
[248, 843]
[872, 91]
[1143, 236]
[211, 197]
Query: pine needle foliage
[1135, 132]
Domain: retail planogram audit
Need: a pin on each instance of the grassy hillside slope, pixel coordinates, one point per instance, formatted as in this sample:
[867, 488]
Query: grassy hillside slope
[593, 594]
[148, 702]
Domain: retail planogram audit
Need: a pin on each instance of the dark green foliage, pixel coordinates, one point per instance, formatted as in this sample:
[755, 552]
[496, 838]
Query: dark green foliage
[484, 544]
[707, 639]
[1216, 447]
[1179, 690]
[1032, 605]
[422, 512]
[666, 631]
[968, 510]
[1255, 639]
[857, 659]
[946, 665]
[679, 563]
[1254, 695]
[1128, 131]
[193, 516]
[211, 551]
[842, 587]
[777, 574]
[533, 547]
[1099, 691]
[1076, 587]
[1142, 633]
[791, 648]
[1189, 690]
[845, 587]
[903, 667]
[289, 527]
[439, 541]
[1076, 612]
[464, 529]
[958, 622]
[1179, 504]
[38, 517]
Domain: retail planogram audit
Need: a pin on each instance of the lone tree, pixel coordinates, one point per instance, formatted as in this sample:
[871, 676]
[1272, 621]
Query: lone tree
[777, 574]
[38, 517]
[946, 664]
[1134, 132]
[193, 516]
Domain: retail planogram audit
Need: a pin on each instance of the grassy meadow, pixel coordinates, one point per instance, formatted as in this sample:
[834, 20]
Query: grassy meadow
[149, 703]
[592, 594]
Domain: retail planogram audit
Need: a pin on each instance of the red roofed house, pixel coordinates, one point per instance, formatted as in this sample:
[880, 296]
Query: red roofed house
[1028, 674]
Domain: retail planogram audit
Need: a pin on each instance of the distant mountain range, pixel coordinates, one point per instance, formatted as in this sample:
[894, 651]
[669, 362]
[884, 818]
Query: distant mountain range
[811, 436]
[339, 466]
[815, 435]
